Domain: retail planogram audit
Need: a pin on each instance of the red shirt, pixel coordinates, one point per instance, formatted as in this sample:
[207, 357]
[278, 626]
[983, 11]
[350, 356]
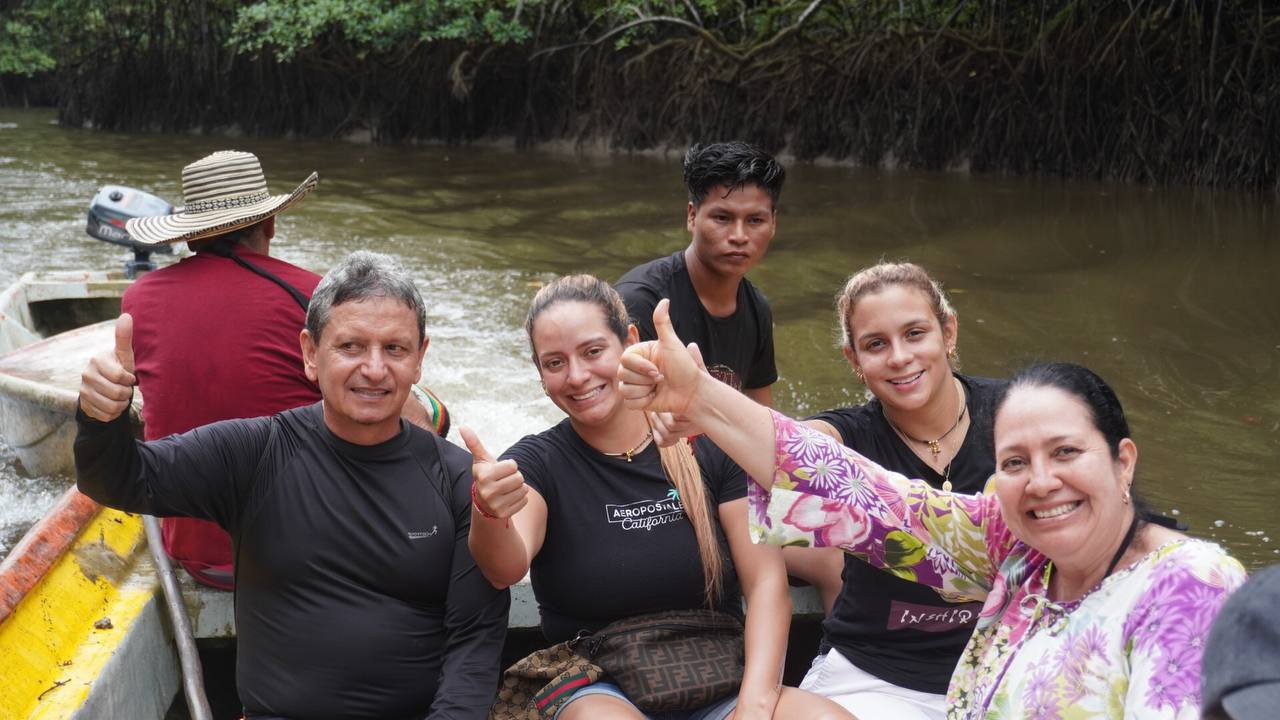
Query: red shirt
[214, 341]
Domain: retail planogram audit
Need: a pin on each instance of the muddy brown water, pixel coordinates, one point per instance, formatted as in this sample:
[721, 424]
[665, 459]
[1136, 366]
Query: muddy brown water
[1171, 295]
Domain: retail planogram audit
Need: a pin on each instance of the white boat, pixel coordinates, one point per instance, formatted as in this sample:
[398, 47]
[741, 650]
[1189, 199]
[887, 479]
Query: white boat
[50, 325]
[81, 619]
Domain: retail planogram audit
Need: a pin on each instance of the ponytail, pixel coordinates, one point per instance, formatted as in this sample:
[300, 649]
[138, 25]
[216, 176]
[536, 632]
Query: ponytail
[682, 470]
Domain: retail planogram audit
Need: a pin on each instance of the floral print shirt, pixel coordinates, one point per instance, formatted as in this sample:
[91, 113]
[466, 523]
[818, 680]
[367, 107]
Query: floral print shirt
[1130, 648]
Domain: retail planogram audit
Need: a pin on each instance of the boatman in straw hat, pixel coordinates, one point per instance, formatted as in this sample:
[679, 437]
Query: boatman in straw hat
[356, 594]
[216, 335]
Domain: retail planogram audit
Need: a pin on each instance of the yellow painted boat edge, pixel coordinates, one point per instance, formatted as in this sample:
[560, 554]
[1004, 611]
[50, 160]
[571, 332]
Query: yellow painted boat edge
[59, 638]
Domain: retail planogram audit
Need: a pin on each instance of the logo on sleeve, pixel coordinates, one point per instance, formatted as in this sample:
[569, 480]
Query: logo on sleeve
[419, 535]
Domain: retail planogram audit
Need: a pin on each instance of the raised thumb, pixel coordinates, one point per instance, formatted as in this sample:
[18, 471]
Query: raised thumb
[662, 324]
[124, 341]
[478, 452]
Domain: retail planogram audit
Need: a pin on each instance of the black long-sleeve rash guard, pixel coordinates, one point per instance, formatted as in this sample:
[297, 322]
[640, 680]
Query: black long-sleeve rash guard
[356, 595]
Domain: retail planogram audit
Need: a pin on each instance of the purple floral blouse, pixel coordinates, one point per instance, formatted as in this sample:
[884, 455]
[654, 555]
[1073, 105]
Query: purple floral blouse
[1130, 648]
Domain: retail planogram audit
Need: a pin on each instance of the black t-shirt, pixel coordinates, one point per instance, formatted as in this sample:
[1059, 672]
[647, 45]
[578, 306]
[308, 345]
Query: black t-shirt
[356, 594]
[897, 630]
[618, 542]
[737, 349]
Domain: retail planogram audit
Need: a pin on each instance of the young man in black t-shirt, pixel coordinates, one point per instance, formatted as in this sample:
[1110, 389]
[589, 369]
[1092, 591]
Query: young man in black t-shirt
[732, 215]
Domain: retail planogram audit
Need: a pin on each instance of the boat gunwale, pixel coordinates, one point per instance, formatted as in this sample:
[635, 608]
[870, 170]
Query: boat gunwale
[42, 546]
[52, 535]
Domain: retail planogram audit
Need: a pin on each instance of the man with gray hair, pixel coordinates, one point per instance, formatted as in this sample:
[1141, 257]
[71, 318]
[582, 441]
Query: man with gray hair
[356, 594]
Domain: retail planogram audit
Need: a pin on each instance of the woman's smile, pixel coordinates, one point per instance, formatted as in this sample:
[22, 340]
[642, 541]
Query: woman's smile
[908, 381]
[589, 395]
[1056, 511]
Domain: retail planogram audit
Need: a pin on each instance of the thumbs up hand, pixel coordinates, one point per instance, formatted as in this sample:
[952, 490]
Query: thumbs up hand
[497, 488]
[106, 385]
[661, 375]
[670, 428]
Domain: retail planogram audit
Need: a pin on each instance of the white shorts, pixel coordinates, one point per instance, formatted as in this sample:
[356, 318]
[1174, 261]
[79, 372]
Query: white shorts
[867, 696]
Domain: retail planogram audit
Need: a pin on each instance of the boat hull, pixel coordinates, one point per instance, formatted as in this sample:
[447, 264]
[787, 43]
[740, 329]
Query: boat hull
[41, 439]
[81, 626]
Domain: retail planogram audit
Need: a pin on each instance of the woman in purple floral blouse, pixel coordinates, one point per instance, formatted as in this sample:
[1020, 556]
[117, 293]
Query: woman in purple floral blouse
[1088, 612]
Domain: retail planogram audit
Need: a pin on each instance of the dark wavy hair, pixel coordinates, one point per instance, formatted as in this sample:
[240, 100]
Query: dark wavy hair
[732, 164]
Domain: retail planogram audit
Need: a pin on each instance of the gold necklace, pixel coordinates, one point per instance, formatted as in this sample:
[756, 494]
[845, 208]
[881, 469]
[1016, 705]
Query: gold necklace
[628, 454]
[934, 445]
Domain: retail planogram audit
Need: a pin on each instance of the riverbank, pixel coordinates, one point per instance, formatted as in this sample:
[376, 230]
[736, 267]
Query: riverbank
[1105, 90]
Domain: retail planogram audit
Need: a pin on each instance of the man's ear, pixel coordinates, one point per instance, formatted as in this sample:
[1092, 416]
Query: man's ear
[309, 351]
[422, 353]
[693, 214]
[633, 335]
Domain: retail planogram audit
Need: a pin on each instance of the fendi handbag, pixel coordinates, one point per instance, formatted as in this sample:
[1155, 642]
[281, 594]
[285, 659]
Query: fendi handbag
[672, 660]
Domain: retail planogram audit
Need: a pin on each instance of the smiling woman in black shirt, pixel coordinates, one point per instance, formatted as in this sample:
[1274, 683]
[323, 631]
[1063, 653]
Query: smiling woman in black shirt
[893, 644]
[587, 507]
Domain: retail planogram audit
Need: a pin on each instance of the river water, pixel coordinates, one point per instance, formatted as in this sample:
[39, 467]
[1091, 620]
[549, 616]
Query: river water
[1170, 295]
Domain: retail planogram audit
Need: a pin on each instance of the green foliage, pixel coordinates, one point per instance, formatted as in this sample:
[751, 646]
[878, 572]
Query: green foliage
[290, 27]
[472, 21]
[20, 47]
[39, 35]
[44, 35]
[1104, 88]
[734, 23]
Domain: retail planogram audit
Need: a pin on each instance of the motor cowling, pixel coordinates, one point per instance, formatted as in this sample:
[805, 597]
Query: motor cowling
[111, 207]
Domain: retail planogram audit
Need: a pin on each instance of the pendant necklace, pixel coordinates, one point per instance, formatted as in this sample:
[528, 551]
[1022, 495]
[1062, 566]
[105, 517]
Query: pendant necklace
[628, 454]
[935, 446]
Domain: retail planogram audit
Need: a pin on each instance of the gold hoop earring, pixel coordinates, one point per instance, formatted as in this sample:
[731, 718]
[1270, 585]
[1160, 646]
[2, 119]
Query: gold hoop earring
[1125, 498]
[862, 378]
[951, 353]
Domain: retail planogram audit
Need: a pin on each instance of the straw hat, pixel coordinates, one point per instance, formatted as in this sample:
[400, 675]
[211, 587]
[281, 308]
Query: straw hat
[222, 192]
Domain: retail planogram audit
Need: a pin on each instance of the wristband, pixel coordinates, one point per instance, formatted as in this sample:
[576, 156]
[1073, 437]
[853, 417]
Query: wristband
[475, 504]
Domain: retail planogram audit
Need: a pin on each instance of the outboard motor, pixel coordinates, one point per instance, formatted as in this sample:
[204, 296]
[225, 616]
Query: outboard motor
[108, 211]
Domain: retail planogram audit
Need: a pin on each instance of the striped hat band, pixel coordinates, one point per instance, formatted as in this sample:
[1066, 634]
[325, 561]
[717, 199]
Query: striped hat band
[202, 206]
